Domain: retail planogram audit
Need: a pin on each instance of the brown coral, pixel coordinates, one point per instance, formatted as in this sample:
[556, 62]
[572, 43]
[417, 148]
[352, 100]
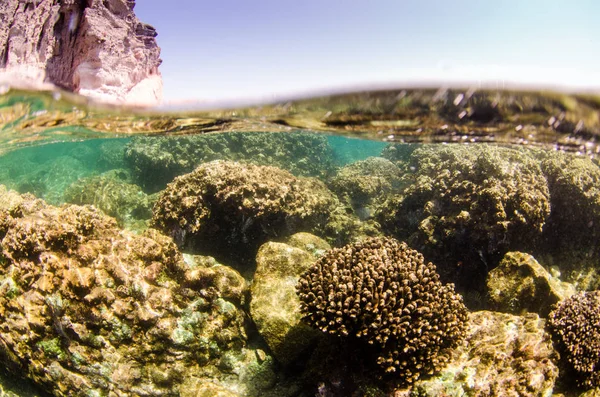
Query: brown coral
[384, 293]
[466, 206]
[240, 205]
[575, 325]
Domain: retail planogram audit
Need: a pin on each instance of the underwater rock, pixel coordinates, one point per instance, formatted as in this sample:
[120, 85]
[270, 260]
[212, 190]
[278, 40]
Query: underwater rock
[521, 284]
[466, 206]
[503, 355]
[115, 197]
[364, 183]
[573, 230]
[111, 155]
[229, 207]
[94, 48]
[383, 294]
[91, 309]
[156, 161]
[48, 180]
[574, 326]
[205, 270]
[275, 307]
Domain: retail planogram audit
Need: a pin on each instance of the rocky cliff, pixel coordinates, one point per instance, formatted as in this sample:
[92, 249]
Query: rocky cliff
[96, 48]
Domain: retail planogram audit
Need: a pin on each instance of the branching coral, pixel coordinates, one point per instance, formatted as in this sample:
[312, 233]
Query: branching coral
[575, 326]
[384, 293]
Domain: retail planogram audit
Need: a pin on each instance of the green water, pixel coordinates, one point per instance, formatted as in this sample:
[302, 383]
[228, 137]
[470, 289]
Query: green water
[106, 306]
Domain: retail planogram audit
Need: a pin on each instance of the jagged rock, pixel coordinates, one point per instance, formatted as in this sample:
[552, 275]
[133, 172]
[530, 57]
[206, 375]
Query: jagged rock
[503, 355]
[92, 47]
[520, 284]
[275, 307]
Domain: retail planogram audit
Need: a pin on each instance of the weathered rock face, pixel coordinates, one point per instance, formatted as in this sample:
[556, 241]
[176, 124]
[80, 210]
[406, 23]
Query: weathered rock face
[95, 48]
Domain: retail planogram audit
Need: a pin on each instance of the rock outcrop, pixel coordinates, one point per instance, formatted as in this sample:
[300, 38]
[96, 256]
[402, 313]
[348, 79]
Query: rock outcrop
[91, 47]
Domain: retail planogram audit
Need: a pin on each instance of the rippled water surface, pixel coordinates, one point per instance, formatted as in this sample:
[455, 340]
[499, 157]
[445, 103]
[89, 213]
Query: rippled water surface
[148, 253]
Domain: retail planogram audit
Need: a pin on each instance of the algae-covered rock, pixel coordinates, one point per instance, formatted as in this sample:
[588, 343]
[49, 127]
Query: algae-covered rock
[205, 270]
[465, 206]
[275, 307]
[503, 355]
[89, 309]
[520, 284]
[573, 229]
[156, 161]
[364, 184]
[111, 193]
[225, 207]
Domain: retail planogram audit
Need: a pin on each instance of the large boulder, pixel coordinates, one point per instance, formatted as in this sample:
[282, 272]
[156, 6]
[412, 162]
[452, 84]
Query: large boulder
[226, 207]
[88, 308]
[573, 229]
[275, 307]
[520, 284]
[467, 205]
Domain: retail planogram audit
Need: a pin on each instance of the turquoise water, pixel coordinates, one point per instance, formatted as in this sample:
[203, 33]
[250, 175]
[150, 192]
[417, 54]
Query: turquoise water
[161, 254]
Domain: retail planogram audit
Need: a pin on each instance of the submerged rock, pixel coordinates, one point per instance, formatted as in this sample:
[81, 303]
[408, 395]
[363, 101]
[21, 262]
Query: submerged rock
[573, 229]
[156, 161]
[503, 355]
[114, 196]
[466, 206]
[95, 48]
[364, 184]
[275, 307]
[91, 309]
[232, 208]
[520, 284]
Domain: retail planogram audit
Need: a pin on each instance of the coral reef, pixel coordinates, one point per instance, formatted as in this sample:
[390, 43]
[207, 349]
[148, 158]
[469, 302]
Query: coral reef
[364, 184]
[111, 155]
[275, 307]
[466, 206]
[156, 161]
[574, 326]
[573, 229]
[520, 284]
[229, 207]
[503, 355]
[384, 293]
[89, 309]
[114, 196]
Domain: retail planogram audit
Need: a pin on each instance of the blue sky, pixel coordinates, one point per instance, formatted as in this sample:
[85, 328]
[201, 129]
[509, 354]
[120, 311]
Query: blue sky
[234, 49]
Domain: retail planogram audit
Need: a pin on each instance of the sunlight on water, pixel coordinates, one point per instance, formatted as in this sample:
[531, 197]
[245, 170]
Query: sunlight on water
[284, 249]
